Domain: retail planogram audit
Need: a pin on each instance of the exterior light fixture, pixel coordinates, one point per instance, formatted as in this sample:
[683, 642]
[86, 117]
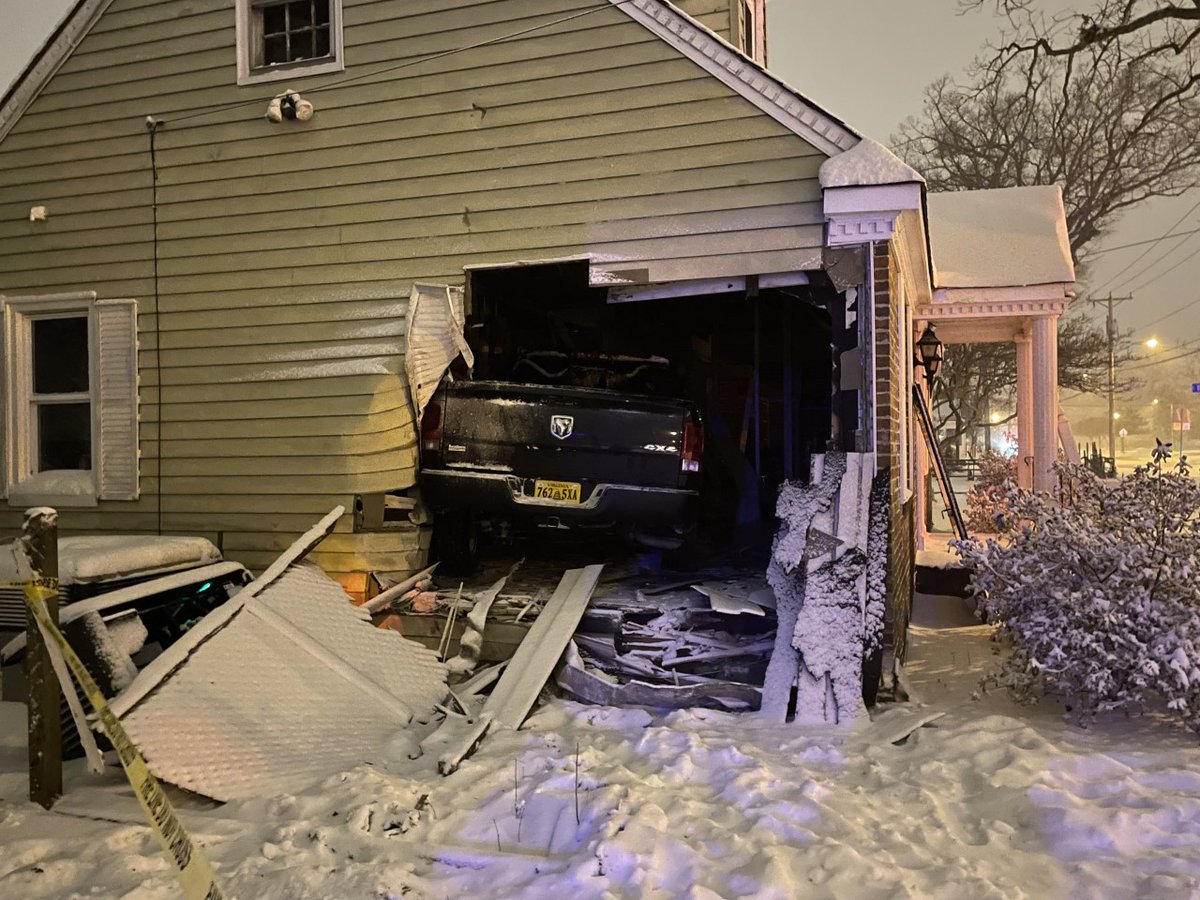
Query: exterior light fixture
[929, 349]
[1116, 416]
[1152, 343]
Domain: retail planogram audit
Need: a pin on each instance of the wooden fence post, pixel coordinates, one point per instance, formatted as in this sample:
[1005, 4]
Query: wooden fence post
[39, 537]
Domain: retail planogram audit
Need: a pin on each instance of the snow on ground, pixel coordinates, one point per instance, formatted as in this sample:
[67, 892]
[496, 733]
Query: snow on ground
[991, 800]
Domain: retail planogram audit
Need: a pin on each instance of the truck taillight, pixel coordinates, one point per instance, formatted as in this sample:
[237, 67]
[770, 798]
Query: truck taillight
[431, 428]
[693, 447]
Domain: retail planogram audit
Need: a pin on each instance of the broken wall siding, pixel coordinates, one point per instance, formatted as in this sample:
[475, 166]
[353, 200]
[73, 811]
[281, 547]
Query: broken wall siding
[286, 252]
[889, 407]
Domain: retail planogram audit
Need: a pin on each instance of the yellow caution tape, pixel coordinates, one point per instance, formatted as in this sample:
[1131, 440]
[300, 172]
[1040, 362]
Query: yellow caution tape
[193, 871]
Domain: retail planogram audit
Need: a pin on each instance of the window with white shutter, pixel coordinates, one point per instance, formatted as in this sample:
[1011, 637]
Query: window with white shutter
[70, 400]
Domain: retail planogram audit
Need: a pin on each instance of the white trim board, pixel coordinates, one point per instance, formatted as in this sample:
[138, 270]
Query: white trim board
[738, 71]
[72, 29]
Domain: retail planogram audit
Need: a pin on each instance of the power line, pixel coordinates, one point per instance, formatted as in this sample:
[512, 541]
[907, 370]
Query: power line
[1153, 263]
[1163, 318]
[412, 62]
[1166, 271]
[1165, 359]
[1167, 234]
[1131, 244]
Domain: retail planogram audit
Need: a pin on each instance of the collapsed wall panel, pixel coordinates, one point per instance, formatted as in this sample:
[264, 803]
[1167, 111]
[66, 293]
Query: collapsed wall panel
[290, 683]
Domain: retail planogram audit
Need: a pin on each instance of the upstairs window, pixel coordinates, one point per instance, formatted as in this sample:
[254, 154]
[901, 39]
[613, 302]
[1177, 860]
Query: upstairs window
[280, 39]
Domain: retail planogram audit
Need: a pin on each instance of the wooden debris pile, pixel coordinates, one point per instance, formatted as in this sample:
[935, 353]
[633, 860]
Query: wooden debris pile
[703, 641]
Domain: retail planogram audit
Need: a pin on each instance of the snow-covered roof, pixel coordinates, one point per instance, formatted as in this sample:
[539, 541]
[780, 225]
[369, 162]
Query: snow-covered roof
[88, 558]
[103, 557]
[1006, 237]
[867, 164]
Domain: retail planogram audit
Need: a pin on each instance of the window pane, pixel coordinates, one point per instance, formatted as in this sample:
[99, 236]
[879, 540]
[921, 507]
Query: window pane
[64, 436]
[273, 19]
[292, 31]
[275, 50]
[60, 355]
[300, 15]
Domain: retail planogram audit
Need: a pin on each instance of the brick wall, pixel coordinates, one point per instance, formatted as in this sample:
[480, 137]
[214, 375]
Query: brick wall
[888, 409]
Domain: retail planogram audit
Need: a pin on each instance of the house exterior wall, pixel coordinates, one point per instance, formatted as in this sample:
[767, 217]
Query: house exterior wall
[890, 407]
[271, 345]
[716, 15]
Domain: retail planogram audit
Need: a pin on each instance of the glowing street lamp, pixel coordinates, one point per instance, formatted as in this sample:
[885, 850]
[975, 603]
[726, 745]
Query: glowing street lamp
[1152, 343]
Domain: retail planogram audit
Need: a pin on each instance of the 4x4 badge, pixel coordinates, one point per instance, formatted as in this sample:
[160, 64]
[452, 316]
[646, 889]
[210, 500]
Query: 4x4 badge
[562, 426]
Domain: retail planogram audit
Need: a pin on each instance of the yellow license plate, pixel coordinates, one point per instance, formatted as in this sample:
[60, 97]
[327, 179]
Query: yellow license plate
[562, 491]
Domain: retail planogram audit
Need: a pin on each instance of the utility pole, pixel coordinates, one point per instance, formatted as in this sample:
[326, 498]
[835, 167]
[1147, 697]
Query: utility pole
[1111, 330]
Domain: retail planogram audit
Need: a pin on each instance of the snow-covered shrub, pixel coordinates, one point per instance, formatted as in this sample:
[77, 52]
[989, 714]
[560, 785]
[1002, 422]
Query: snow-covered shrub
[1100, 596]
[987, 510]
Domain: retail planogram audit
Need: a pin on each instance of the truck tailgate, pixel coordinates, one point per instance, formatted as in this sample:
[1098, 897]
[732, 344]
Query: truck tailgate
[563, 433]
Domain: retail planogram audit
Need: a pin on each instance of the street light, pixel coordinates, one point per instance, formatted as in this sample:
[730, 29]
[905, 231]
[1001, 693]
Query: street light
[1152, 343]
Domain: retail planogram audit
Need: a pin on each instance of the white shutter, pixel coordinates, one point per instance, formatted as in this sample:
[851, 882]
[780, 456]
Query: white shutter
[117, 399]
[435, 338]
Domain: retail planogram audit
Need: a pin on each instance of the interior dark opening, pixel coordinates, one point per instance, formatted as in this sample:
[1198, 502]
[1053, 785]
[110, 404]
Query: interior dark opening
[757, 363]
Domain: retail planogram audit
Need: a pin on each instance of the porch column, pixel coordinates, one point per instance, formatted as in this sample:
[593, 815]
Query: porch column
[1045, 400]
[1024, 344]
[920, 474]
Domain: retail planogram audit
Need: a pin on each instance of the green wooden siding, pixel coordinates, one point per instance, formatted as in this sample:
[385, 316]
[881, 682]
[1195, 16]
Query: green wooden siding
[286, 252]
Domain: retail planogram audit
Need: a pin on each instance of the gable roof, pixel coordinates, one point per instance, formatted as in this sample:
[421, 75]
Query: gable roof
[76, 23]
[867, 164]
[1003, 237]
[721, 60]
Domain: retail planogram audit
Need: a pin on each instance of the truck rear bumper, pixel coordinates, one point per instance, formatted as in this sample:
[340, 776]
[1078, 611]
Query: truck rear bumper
[512, 496]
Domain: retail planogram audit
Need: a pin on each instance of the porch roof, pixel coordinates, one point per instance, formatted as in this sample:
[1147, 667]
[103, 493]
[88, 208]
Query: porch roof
[1001, 238]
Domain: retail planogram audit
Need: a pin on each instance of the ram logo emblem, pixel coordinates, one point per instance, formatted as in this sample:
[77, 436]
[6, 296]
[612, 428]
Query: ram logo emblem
[562, 426]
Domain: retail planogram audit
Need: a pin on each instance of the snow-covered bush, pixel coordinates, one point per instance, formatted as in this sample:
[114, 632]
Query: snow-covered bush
[1100, 596]
[987, 510]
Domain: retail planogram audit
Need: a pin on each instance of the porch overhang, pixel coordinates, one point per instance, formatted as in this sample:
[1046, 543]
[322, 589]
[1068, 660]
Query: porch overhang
[1002, 271]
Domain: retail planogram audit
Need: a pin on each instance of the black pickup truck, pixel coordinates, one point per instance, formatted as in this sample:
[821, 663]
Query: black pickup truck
[557, 456]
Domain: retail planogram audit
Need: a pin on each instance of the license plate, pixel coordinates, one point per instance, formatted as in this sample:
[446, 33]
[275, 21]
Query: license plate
[562, 491]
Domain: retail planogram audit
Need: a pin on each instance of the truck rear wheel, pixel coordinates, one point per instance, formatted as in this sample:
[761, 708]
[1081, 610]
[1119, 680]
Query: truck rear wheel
[456, 542]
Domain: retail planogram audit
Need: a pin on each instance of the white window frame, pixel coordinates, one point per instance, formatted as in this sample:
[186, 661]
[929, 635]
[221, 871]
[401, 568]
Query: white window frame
[247, 37]
[20, 433]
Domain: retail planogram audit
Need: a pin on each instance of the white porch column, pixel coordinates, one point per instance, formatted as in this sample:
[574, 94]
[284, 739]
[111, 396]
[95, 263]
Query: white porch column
[920, 473]
[1045, 400]
[1024, 344]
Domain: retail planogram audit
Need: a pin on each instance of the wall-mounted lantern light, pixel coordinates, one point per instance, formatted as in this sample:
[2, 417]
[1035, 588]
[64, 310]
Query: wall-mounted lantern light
[929, 349]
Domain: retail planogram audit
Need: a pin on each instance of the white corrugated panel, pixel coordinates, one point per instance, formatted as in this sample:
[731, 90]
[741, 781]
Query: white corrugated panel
[117, 392]
[296, 686]
[435, 339]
